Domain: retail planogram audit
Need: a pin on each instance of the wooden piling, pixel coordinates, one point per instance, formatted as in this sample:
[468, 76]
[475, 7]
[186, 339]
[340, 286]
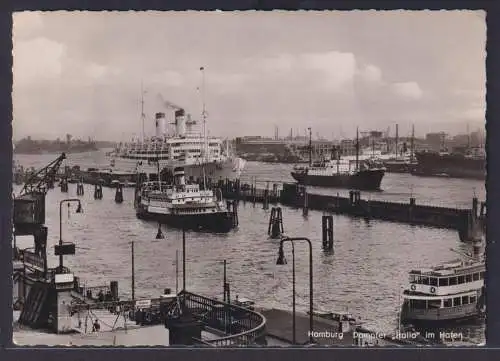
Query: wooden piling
[305, 207]
[275, 228]
[119, 194]
[327, 228]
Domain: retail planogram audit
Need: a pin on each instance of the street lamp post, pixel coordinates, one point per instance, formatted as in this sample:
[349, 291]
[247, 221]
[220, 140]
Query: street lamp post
[78, 210]
[281, 261]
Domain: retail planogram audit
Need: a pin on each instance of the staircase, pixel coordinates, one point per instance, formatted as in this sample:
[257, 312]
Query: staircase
[36, 308]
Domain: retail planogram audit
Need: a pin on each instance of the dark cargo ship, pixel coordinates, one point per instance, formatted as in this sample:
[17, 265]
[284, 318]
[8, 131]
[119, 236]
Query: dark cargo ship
[462, 163]
[340, 173]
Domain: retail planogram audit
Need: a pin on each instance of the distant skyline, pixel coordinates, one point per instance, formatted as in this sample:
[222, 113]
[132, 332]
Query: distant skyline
[81, 72]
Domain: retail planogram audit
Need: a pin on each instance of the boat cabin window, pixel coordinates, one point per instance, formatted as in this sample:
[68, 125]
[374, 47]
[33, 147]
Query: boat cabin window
[447, 302]
[457, 301]
[468, 278]
[472, 299]
[461, 279]
[465, 300]
[434, 304]
[453, 281]
[433, 281]
[475, 277]
[481, 275]
[443, 282]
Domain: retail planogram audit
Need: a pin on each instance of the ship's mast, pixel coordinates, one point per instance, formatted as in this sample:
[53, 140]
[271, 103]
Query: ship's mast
[204, 118]
[468, 137]
[357, 149]
[310, 145]
[412, 150]
[397, 139]
[143, 115]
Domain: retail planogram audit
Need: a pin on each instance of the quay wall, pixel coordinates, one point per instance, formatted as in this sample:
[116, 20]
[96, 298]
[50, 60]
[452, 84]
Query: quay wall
[294, 195]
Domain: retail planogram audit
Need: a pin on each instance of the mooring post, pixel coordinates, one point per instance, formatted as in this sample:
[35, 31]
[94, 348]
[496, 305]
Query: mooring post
[483, 209]
[474, 207]
[411, 209]
[119, 194]
[159, 234]
[183, 258]
[327, 227]
[275, 193]
[265, 203]
[224, 281]
[235, 214]
[275, 228]
[64, 185]
[133, 270]
[368, 209]
[305, 208]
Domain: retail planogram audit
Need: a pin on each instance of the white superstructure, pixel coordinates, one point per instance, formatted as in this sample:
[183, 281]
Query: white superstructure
[447, 292]
[178, 144]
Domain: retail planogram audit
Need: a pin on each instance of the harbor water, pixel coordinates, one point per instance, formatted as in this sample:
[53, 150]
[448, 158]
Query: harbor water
[365, 272]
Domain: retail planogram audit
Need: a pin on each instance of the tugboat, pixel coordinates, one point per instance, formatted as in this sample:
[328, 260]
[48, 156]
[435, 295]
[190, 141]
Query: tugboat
[445, 294]
[340, 173]
[184, 204]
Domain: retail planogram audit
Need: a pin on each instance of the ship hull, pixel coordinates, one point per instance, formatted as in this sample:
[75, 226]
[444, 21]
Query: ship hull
[454, 166]
[230, 168]
[435, 318]
[399, 167]
[362, 180]
[217, 222]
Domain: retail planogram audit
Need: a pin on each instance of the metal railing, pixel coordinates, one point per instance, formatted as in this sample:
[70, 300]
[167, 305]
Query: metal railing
[245, 326]
[31, 259]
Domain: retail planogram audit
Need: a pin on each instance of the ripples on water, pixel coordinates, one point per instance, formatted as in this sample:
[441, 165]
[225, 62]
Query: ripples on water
[365, 272]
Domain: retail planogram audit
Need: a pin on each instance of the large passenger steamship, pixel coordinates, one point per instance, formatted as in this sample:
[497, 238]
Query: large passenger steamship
[183, 147]
[180, 143]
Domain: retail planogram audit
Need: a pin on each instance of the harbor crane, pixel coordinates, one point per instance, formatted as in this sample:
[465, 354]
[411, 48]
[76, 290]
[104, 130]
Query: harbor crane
[42, 180]
[29, 205]
[29, 212]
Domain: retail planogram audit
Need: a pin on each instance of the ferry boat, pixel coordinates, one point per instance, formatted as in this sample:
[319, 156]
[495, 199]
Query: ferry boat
[180, 143]
[451, 292]
[183, 204]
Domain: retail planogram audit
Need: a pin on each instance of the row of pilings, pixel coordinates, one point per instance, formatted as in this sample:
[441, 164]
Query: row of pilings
[98, 193]
[275, 229]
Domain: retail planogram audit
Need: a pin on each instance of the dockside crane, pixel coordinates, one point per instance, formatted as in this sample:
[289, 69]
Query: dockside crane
[42, 180]
[29, 204]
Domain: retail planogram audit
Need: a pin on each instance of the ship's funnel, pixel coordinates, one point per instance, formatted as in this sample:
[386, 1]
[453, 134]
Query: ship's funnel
[180, 122]
[161, 125]
[179, 177]
[189, 123]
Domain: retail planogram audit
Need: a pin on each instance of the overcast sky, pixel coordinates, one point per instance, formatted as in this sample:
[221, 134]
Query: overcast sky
[81, 72]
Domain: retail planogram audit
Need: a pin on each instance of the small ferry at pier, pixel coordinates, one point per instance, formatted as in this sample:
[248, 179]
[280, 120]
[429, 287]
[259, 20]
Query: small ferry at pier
[184, 204]
[451, 292]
